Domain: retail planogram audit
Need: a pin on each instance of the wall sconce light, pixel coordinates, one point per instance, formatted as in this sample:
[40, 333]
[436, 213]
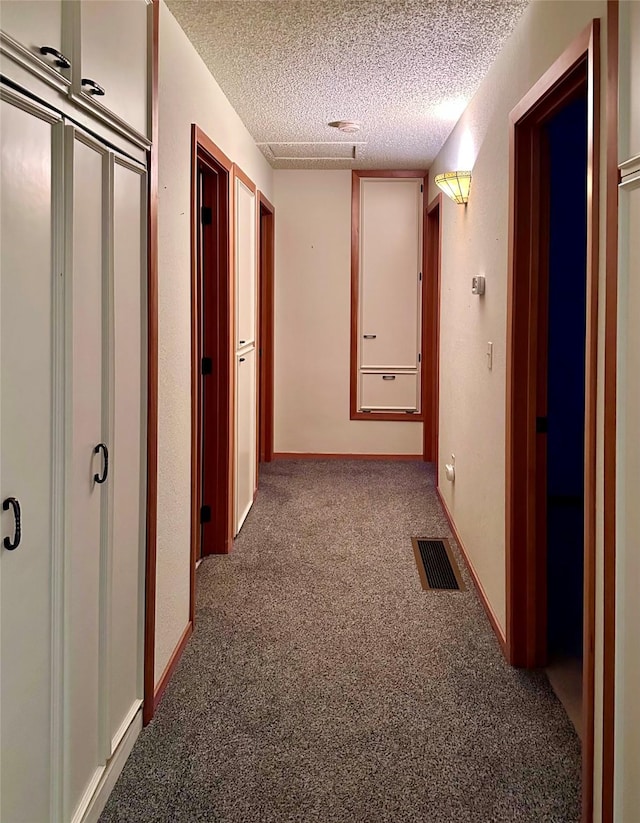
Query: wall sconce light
[455, 184]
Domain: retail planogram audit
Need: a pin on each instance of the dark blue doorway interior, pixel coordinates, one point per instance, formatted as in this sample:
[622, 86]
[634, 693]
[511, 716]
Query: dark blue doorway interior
[567, 141]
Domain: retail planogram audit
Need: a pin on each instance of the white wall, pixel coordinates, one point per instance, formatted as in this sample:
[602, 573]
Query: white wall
[187, 94]
[312, 323]
[475, 241]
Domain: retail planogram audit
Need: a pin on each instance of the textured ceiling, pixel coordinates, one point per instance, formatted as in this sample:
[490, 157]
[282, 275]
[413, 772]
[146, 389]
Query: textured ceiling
[404, 70]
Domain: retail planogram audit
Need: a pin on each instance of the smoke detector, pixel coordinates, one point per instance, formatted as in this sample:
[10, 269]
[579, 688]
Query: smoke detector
[347, 126]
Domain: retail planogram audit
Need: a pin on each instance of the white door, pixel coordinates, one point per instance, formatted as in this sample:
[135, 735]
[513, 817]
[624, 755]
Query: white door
[87, 419]
[36, 25]
[128, 467]
[245, 262]
[30, 437]
[245, 434]
[114, 55]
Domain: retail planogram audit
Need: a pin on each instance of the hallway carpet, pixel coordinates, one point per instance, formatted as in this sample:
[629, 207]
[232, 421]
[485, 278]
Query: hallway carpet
[322, 684]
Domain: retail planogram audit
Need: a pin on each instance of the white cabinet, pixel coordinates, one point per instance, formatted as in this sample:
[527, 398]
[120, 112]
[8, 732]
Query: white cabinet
[245, 264]
[245, 434]
[30, 443]
[72, 458]
[36, 25]
[388, 391]
[113, 59]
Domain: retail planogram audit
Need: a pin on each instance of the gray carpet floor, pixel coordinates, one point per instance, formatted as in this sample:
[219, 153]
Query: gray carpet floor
[322, 684]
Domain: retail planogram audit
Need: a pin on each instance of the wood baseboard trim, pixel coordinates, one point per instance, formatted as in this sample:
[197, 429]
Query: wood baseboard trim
[495, 625]
[171, 665]
[340, 456]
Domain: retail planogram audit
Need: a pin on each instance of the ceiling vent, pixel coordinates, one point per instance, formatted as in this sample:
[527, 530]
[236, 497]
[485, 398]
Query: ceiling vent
[321, 151]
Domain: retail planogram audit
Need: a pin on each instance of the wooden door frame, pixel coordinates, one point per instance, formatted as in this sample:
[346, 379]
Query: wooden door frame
[432, 268]
[265, 342]
[525, 582]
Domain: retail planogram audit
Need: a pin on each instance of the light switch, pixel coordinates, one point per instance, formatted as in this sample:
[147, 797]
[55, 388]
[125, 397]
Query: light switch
[489, 355]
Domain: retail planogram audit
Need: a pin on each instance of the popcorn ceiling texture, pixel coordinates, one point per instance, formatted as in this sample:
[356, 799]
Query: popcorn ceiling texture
[289, 67]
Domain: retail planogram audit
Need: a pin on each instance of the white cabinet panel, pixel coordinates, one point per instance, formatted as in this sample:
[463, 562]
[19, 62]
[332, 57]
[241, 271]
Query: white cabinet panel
[28, 289]
[245, 434]
[388, 391]
[127, 453]
[114, 54]
[35, 23]
[390, 264]
[87, 423]
[245, 262]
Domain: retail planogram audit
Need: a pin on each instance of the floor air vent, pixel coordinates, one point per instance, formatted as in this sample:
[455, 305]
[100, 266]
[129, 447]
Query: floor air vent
[436, 564]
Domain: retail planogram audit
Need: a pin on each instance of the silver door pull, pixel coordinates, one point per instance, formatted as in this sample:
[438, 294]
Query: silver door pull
[370, 336]
[388, 377]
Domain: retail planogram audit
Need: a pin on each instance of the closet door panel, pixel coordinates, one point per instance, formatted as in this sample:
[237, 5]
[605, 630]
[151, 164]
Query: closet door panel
[26, 412]
[245, 265]
[34, 23]
[128, 500]
[389, 273]
[245, 434]
[86, 429]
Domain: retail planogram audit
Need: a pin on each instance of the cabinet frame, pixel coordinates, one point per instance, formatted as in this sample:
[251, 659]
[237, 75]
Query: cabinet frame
[355, 413]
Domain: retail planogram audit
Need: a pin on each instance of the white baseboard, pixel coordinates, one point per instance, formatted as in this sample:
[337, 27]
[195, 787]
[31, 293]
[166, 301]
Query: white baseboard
[112, 770]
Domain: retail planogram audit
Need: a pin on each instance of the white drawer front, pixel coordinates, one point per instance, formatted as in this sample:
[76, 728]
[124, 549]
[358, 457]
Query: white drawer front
[389, 391]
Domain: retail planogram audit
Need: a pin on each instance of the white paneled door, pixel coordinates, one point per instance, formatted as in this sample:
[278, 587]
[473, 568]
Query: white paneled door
[30, 438]
[245, 265]
[245, 434]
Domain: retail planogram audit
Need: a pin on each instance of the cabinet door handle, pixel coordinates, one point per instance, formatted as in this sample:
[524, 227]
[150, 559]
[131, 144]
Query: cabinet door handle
[101, 447]
[388, 377]
[61, 61]
[17, 536]
[94, 88]
[370, 336]
[242, 359]
[242, 342]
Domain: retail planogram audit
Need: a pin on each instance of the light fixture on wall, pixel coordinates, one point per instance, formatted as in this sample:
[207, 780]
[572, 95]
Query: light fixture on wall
[455, 184]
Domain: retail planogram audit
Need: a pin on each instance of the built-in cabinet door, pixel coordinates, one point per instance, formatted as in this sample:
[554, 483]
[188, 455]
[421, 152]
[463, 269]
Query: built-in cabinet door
[30, 439]
[114, 58]
[37, 24]
[245, 263]
[245, 434]
[390, 264]
[128, 468]
[87, 177]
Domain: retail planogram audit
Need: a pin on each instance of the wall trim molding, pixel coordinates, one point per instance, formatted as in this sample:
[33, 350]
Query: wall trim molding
[171, 665]
[482, 595]
[342, 456]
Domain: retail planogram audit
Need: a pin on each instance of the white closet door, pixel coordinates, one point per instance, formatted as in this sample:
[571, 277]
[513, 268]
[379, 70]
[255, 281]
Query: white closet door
[390, 264]
[114, 47]
[127, 452]
[29, 293]
[87, 172]
[34, 23]
[245, 434]
[245, 265]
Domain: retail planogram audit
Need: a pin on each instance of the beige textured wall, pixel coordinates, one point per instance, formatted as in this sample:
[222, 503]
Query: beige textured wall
[187, 94]
[475, 241]
[312, 325]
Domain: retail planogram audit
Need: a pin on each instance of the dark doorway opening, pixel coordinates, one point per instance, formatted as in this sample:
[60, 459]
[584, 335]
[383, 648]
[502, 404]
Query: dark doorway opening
[431, 329]
[266, 266]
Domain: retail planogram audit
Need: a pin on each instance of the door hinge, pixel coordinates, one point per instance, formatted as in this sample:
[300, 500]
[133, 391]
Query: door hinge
[542, 425]
[207, 215]
[420, 276]
[205, 514]
[421, 188]
[419, 358]
[206, 365]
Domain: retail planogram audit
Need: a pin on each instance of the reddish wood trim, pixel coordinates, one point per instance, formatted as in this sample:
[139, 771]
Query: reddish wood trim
[152, 387]
[576, 69]
[196, 355]
[432, 268]
[266, 216]
[171, 665]
[610, 404]
[354, 414]
[482, 595]
[340, 456]
[244, 178]
[206, 144]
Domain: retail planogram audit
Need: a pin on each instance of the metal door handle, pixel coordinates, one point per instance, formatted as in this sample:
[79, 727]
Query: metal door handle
[388, 377]
[242, 342]
[61, 61]
[94, 88]
[370, 336]
[242, 359]
[17, 536]
[101, 447]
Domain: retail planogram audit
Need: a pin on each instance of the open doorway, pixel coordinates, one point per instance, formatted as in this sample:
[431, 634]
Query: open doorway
[266, 250]
[211, 347]
[431, 329]
[551, 383]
